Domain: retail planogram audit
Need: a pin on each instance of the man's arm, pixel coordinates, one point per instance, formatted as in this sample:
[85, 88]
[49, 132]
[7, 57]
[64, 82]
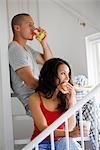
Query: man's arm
[26, 74]
[47, 53]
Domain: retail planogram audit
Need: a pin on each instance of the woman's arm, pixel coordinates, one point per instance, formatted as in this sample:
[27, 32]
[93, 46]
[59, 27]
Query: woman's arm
[72, 102]
[37, 114]
[68, 89]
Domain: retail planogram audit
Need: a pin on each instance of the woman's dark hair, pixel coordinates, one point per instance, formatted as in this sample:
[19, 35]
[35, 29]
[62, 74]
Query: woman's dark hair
[47, 81]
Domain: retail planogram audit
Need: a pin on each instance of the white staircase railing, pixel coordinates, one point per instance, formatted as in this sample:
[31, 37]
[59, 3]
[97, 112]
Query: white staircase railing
[49, 131]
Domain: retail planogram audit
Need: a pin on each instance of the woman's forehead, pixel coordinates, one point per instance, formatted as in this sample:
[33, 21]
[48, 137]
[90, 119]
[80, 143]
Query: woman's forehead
[63, 67]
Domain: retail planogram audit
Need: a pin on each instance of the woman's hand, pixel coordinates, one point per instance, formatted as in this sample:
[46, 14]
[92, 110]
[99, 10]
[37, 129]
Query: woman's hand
[67, 88]
[63, 87]
[76, 132]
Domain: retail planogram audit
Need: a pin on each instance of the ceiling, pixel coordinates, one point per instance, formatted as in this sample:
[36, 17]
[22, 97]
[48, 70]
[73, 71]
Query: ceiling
[88, 10]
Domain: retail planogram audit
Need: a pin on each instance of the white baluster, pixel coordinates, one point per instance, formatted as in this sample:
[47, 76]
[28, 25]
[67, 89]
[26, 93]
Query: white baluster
[52, 141]
[81, 128]
[67, 134]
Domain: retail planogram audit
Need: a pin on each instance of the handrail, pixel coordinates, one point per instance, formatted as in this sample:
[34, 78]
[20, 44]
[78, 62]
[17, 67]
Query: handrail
[61, 119]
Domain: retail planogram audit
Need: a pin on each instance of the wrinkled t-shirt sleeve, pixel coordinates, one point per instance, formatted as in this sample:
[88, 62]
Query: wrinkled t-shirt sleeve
[17, 58]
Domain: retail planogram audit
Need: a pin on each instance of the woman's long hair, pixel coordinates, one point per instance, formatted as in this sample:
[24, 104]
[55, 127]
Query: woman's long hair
[47, 81]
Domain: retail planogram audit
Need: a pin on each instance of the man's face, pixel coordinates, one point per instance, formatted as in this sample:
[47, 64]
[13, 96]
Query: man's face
[26, 28]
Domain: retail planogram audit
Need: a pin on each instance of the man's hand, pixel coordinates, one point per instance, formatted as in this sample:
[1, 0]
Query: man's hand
[41, 35]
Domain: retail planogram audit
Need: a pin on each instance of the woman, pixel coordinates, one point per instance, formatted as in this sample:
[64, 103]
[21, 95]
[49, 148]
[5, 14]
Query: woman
[54, 95]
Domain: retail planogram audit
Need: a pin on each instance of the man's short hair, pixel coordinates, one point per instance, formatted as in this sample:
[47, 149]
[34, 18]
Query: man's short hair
[16, 19]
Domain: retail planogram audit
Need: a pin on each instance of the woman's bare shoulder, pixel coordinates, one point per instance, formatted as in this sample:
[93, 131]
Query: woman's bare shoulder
[34, 98]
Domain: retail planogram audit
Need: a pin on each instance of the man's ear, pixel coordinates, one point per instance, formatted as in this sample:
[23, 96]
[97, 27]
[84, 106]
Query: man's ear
[17, 27]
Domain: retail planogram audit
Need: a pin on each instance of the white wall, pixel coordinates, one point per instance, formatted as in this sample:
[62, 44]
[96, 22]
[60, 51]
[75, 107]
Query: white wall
[6, 130]
[66, 36]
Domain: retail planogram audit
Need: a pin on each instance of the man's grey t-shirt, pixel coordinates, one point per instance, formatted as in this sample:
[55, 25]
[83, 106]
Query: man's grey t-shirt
[19, 58]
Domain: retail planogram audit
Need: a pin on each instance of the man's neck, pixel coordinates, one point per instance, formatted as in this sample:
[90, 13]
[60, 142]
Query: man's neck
[22, 42]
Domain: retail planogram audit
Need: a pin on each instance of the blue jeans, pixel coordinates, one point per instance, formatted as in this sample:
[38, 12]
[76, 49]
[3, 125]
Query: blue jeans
[60, 145]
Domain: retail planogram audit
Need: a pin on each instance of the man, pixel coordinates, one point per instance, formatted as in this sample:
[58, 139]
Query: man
[23, 59]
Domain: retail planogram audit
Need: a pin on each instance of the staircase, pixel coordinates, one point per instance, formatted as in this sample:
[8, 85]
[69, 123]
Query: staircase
[27, 145]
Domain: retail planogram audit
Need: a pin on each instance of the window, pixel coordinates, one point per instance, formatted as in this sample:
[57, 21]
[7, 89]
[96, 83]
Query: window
[93, 60]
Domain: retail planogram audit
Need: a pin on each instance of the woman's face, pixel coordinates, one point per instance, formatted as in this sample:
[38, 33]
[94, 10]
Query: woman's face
[63, 73]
